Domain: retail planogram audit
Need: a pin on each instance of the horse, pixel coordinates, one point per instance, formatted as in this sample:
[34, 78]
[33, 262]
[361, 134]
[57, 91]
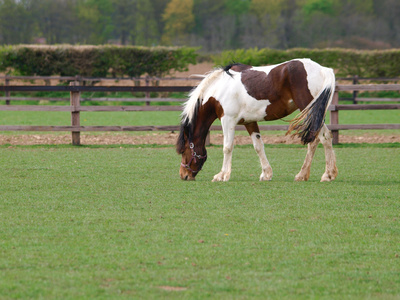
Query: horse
[240, 94]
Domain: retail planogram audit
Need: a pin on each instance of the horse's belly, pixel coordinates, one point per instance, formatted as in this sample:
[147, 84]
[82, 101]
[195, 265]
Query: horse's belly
[254, 111]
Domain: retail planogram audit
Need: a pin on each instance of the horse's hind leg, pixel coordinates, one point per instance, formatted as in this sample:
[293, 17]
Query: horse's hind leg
[258, 144]
[331, 171]
[304, 173]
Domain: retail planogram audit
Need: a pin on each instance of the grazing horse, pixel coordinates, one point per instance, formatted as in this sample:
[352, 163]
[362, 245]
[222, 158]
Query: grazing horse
[242, 94]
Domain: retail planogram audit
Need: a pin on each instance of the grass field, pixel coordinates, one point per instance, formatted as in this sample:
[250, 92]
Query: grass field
[169, 118]
[117, 222]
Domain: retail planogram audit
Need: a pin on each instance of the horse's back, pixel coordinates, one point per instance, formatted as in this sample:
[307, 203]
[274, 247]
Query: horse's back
[263, 92]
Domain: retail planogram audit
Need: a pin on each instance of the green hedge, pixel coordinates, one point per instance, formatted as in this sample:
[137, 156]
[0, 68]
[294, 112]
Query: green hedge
[94, 61]
[346, 62]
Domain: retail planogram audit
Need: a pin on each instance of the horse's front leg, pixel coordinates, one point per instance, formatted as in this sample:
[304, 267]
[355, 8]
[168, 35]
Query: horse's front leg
[258, 144]
[228, 127]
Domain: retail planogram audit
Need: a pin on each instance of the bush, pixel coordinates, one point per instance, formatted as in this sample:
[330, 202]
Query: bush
[346, 62]
[94, 61]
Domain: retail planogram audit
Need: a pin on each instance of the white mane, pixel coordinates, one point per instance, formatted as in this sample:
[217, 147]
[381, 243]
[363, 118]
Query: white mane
[197, 93]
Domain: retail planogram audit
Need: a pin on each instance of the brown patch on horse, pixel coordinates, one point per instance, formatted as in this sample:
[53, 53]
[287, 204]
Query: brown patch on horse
[258, 84]
[213, 103]
[252, 127]
[205, 115]
[297, 77]
[283, 83]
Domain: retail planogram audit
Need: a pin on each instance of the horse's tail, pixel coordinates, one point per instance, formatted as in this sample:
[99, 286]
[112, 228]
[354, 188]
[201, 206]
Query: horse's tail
[310, 121]
[198, 93]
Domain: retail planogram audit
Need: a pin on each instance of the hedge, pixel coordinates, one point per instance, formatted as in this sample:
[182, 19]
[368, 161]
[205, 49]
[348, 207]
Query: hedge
[118, 61]
[346, 62]
[94, 61]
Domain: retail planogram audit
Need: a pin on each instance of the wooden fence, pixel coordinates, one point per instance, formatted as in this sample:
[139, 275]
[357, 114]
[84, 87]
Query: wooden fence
[148, 80]
[75, 108]
[355, 98]
[335, 107]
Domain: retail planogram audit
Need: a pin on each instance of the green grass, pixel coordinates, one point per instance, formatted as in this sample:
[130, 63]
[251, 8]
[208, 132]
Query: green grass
[169, 118]
[89, 118]
[117, 222]
[172, 118]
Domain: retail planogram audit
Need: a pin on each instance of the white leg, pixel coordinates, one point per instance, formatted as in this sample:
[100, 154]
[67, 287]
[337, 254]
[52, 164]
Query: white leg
[228, 126]
[259, 147]
[331, 171]
[304, 173]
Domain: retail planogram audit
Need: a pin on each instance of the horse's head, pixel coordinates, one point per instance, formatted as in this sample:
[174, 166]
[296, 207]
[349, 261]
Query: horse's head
[196, 121]
[192, 162]
[193, 154]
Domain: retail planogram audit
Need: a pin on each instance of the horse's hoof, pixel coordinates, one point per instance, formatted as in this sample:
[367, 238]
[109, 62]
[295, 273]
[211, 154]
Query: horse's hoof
[221, 177]
[265, 178]
[327, 178]
[300, 178]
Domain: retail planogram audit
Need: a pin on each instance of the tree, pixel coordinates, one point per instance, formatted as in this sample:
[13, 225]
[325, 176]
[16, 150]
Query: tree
[321, 6]
[237, 7]
[146, 30]
[87, 31]
[214, 26]
[124, 19]
[94, 24]
[56, 20]
[16, 22]
[179, 20]
[387, 22]
[272, 21]
[158, 10]
[262, 8]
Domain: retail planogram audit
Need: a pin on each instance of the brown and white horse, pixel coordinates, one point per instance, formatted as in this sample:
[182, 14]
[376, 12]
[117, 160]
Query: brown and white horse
[242, 94]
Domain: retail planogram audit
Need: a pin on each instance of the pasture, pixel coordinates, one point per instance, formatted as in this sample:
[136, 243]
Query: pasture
[117, 222]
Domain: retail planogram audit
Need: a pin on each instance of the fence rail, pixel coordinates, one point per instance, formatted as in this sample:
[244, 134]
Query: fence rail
[148, 81]
[75, 107]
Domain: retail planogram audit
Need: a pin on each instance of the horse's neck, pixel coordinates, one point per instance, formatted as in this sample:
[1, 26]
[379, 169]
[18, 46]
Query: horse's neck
[205, 118]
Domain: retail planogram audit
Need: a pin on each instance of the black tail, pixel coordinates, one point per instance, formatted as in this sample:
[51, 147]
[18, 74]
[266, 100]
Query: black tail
[310, 121]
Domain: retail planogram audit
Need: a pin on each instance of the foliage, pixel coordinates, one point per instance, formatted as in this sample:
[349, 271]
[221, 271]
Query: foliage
[312, 6]
[378, 63]
[118, 222]
[213, 25]
[237, 7]
[95, 61]
[178, 18]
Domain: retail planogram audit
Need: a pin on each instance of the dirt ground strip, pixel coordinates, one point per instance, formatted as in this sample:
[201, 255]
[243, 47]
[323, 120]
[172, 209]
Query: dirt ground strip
[169, 139]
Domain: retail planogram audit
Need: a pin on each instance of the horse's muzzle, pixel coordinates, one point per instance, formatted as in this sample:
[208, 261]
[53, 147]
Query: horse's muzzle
[188, 178]
[185, 174]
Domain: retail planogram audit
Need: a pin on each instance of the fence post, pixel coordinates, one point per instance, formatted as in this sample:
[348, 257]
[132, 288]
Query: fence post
[355, 93]
[147, 80]
[335, 118]
[75, 116]
[7, 93]
[78, 78]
